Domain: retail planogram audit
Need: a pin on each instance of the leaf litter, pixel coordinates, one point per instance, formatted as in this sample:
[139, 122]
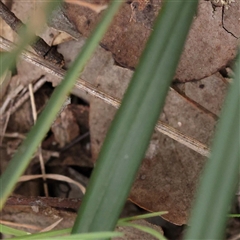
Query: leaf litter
[169, 173]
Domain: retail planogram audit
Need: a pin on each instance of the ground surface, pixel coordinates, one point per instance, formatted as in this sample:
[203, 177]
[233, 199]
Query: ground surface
[170, 170]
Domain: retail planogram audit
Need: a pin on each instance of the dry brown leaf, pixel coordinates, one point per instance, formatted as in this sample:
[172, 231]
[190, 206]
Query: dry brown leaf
[169, 168]
[209, 46]
[65, 127]
[169, 173]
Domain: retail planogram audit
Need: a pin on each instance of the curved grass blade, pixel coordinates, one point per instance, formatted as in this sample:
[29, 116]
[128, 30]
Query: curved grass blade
[22, 158]
[142, 216]
[82, 236]
[92, 236]
[68, 230]
[149, 230]
[132, 127]
[234, 215]
[221, 175]
[44, 235]
[11, 231]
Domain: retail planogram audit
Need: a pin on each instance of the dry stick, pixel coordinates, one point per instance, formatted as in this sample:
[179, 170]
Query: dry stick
[39, 45]
[95, 7]
[13, 135]
[34, 113]
[89, 88]
[4, 129]
[52, 226]
[43, 171]
[5, 125]
[9, 98]
[46, 153]
[57, 177]
[65, 203]
[32, 100]
[24, 98]
[195, 104]
[75, 141]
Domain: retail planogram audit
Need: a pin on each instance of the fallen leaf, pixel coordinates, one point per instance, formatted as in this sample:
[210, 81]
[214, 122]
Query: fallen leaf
[209, 47]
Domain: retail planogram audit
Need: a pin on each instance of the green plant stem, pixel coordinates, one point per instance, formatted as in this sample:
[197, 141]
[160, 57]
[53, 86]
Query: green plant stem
[131, 130]
[220, 177]
[21, 159]
[146, 229]
[53, 235]
[11, 231]
[143, 216]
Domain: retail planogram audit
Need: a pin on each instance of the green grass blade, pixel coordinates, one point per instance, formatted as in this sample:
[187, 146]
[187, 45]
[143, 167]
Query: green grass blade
[93, 236]
[82, 236]
[68, 230]
[143, 216]
[149, 230]
[44, 235]
[11, 231]
[131, 130]
[220, 177]
[234, 215]
[22, 158]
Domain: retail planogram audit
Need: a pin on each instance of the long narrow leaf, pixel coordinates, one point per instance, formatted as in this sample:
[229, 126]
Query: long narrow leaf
[143, 216]
[82, 236]
[220, 177]
[42, 235]
[234, 215]
[90, 236]
[21, 159]
[146, 229]
[11, 231]
[131, 130]
[68, 230]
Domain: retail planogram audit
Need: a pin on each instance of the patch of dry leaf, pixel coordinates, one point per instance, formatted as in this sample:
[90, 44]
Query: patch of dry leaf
[170, 171]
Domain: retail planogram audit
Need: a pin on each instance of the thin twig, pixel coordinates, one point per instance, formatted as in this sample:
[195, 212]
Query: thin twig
[75, 141]
[4, 82]
[183, 139]
[195, 104]
[43, 171]
[24, 98]
[95, 7]
[65, 203]
[47, 154]
[57, 177]
[41, 161]
[32, 100]
[39, 46]
[52, 226]
[9, 17]
[13, 135]
[9, 98]
[5, 126]
[89, 88]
